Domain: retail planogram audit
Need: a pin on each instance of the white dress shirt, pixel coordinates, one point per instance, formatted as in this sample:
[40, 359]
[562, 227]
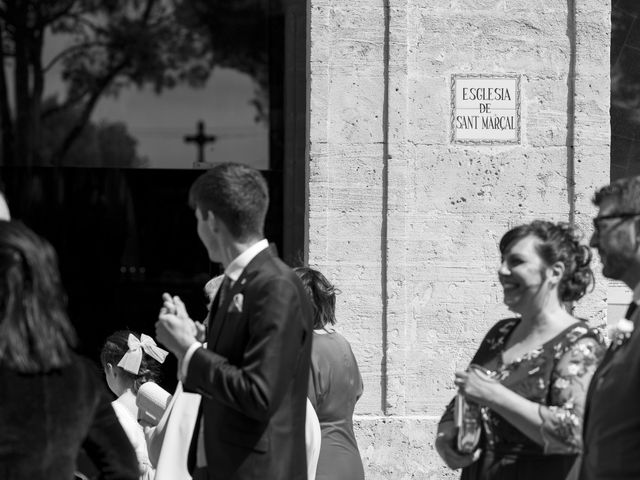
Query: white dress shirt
[233, 271]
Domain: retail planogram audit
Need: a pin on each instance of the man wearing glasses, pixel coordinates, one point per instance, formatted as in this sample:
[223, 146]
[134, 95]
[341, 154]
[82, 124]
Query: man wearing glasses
[612, 413]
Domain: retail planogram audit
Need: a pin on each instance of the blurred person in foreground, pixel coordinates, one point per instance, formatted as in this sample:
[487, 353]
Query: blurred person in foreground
[612, 417]
[527, 382]
[335, 384]
[52, 402]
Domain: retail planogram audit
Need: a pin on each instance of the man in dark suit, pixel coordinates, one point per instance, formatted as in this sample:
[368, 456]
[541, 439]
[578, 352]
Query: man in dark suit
[253, 373]
[612, 415]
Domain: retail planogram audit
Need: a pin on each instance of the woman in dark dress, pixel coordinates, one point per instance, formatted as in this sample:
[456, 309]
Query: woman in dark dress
[530, 374]
[52, 402]
[335, 384]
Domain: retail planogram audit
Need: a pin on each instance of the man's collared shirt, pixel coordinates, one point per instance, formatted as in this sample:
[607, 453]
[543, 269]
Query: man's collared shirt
[233, 271]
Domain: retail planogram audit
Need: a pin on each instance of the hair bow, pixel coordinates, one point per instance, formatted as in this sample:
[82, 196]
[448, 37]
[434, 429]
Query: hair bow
[132, 359]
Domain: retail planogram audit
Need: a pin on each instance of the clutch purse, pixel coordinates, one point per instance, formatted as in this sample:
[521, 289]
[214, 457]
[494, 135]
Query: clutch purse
[467, 418]
[152, 400]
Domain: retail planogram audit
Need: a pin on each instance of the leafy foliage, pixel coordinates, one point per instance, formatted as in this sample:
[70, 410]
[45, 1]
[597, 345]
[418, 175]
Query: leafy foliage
[112, 44]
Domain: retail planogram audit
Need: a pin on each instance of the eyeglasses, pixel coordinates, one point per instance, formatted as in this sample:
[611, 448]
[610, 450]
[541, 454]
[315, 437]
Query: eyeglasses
[621, 216]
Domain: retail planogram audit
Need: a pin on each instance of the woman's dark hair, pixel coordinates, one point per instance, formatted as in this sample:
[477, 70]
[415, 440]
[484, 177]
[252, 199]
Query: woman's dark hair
[322, 295]
[35, 333]
[559, 242]
[114, 349]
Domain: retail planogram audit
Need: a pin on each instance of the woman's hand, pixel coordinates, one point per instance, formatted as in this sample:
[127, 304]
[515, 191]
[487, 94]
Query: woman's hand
[478, 386]
[446, 447]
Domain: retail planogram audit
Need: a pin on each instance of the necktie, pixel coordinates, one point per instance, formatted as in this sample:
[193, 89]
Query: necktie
[632, 308]
[224, 289]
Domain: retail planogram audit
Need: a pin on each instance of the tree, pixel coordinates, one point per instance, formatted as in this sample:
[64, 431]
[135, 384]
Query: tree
[105, 144]
[238, 35]
[113, 44]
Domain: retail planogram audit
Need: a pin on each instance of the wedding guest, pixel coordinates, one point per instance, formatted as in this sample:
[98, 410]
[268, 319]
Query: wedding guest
[174, 431]
[312, 433]
[129, 360]
[531, 372]
[612, 417]
[335, 384]
[52, 401]
[253, 372]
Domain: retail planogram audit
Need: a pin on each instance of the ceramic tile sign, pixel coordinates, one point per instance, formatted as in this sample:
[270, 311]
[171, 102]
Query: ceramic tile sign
[485, 109]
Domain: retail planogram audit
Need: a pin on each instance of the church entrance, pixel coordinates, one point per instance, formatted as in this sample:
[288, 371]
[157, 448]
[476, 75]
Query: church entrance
[112, 199]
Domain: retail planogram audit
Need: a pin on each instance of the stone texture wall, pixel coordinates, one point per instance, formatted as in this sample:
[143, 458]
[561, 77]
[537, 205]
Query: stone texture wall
[405, 223]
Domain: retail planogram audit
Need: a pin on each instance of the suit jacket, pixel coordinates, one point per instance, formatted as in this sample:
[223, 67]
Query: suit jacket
[611, 426]
[45, 419]
[253, 375]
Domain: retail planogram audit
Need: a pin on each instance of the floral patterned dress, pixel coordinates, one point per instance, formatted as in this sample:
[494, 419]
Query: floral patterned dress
[556, 375]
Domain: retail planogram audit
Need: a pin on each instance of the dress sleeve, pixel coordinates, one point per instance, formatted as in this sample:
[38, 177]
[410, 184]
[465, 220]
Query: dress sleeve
[561, 427]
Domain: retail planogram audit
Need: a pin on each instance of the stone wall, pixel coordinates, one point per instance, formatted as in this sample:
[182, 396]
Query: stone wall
[404, 222]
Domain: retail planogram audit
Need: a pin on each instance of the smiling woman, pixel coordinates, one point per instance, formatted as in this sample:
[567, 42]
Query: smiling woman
[540, 364]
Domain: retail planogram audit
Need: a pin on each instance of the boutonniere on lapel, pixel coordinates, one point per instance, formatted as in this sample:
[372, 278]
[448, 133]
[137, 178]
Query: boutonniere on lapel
[236, 303]
[620, 332]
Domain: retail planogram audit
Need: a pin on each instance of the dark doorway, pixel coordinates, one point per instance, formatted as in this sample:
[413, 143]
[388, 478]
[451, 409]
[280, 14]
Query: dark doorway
[120, 222]
[625, 88]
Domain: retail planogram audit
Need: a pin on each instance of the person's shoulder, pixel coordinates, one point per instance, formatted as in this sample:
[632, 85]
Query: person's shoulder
[269, 268]
[332, 339]
[582, 331]
[87, 374]
[82, 363]
[503, 326]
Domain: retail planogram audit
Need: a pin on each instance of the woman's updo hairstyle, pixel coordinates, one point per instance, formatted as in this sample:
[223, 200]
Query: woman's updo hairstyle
[322, 295]
[114, 349]
[559, 242]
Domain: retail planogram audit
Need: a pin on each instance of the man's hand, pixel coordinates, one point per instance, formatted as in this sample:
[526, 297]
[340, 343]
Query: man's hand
[174, 329]
[201, 332]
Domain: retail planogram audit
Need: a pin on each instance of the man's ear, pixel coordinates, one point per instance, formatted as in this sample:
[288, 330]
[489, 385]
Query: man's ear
[212, 221]
[217, 225]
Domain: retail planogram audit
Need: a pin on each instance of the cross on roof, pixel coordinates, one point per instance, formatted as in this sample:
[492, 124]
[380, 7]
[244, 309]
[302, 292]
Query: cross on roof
[200, 139]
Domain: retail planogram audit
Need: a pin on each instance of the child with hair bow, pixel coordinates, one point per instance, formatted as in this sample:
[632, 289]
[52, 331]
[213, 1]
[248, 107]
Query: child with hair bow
[129, 360]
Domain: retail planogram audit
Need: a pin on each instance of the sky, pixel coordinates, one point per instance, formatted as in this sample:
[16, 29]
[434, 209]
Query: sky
[160, 122]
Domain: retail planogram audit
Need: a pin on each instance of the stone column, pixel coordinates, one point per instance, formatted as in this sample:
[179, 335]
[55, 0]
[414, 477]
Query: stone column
[407, 223]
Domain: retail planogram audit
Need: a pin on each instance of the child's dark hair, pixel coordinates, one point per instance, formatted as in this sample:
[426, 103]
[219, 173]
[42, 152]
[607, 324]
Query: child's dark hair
[114, 349]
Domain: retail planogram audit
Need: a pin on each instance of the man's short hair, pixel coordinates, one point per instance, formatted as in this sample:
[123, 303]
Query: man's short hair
[625, 192]
[236, 194]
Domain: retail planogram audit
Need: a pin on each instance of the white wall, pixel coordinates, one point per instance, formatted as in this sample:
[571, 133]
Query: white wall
[405, 223]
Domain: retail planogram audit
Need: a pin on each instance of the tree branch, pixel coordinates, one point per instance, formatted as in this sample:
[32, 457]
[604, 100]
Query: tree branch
[6, 124]
[35, 59]
[48, 20]
[147, 11]
[64, 106]
[68, 51]
[84, 116]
